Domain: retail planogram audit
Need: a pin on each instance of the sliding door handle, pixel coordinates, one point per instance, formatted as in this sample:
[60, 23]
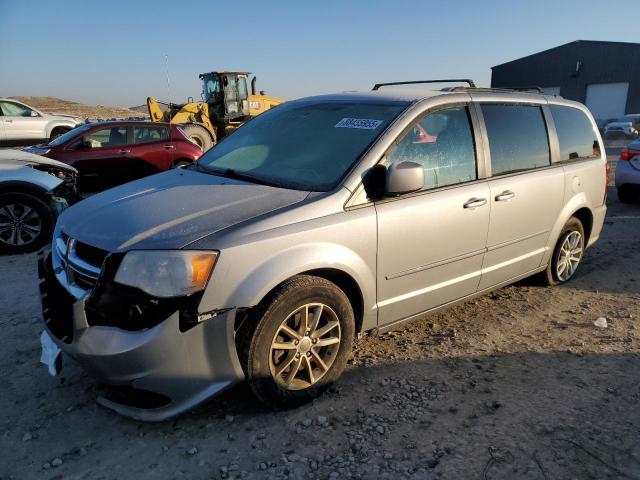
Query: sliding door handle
[475, 202]
[505, 196]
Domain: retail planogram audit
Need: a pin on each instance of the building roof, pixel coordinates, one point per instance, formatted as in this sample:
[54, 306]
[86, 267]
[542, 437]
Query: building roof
[600, 42]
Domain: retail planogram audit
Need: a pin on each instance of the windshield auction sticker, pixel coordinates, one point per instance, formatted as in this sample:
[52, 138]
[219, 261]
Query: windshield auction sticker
[361, 123]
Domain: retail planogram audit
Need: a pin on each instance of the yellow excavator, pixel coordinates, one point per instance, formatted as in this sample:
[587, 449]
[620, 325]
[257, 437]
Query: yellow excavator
[226, 105]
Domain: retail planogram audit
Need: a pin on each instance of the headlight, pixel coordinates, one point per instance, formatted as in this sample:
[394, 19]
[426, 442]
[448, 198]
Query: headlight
[166, 273]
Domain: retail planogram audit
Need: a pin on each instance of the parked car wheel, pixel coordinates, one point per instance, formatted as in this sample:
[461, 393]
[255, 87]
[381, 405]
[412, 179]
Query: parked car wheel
[58, 132]
[567, 253]
[628, 194]
[301, 342]
[181, 163]
[25, 223]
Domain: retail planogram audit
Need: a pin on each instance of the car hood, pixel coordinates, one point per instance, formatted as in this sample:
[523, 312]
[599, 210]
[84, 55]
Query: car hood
[20, 158]
[60, 116]
[169, 210]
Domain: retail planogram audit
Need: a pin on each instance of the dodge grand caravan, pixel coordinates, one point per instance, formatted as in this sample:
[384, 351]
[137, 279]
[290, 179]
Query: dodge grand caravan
[319, 220]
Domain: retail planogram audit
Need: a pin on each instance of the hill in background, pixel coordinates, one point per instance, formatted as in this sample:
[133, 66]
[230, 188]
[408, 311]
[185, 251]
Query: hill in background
[66, 107]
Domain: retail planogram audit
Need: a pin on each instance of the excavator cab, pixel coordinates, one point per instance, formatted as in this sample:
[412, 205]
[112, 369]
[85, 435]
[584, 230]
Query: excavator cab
[227, 96]
[226, 105]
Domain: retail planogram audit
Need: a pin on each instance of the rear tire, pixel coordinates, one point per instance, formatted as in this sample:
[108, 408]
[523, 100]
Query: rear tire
[199, 135]
[628, 194]
[300, 343]
[26, 223]
[567, 253]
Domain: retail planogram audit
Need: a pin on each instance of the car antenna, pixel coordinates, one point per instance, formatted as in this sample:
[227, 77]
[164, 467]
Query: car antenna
[172, 149]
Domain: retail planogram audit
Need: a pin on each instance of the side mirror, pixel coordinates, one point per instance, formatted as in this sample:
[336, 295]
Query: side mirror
[34, 114]
[404, 177]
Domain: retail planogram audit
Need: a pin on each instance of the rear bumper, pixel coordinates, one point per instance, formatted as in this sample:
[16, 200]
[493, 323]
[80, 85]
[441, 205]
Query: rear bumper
[179, 369]
[598, 221]
[626, 174]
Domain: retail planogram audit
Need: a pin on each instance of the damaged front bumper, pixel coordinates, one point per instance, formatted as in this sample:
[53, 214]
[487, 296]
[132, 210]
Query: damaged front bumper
[156, 372]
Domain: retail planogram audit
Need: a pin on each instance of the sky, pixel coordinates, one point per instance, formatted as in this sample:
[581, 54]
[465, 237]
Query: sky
[118, 52]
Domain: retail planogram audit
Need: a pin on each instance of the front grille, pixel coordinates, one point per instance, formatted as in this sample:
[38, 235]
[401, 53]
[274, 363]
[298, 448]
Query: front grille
[92, 255]
[57, 303]
[77, 265]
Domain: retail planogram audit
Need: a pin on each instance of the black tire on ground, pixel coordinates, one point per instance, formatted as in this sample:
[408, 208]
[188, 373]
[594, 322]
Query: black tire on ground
[181, 163]
[255, 340]
[628, 194]
[550, 275]
[57, 132]
[200, 135]
[36, 216]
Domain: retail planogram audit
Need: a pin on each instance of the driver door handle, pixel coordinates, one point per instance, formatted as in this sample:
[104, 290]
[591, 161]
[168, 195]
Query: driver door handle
[475, 202]
[505, 196]
[124, 151]
[170, 147]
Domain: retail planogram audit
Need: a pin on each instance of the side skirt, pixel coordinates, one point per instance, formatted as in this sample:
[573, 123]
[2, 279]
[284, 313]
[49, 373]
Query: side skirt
[397, 324]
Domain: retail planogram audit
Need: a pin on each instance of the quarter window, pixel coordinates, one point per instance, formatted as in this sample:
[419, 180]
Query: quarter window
[442, 142]
[576, 134]
[517, 138]
[145, 134]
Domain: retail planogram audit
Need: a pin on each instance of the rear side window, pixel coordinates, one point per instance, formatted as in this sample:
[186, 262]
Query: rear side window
[442, 142]
[575, 134]
[145, 134]
[517, 138]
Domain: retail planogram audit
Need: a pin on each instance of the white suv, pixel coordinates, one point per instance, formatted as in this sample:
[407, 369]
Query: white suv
[21, 124]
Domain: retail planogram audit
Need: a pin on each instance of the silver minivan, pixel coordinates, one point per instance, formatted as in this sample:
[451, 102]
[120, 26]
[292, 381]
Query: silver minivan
[319, 220]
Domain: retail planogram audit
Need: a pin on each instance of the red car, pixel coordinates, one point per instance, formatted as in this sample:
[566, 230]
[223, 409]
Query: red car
[110, 153]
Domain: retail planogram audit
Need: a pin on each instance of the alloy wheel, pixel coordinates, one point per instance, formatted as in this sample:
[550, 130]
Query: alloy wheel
[19, 224]
[305, 346]
[569, 256]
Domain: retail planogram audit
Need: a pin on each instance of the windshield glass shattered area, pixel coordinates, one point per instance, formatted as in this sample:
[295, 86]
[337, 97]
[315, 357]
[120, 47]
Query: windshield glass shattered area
[308, 146]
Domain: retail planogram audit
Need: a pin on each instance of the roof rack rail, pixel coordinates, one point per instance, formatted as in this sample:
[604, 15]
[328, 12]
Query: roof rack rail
[494, 89]
[448, 80]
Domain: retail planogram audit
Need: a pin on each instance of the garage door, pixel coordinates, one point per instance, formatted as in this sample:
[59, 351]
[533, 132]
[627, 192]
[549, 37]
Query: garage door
[607, 100]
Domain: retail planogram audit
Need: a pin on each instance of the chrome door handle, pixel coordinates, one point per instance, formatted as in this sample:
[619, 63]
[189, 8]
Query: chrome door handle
[124, 151]
[505, 196]
[475, 202]
[8, 121]
[170, 147]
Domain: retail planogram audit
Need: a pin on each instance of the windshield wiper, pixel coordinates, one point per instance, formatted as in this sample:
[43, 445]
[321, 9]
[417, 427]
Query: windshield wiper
[231, 173]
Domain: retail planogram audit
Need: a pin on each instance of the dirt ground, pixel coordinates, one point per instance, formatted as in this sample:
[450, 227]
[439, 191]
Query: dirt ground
[66, 107]
[519, 384]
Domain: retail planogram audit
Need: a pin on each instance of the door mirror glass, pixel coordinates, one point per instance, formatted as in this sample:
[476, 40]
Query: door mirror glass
[34, 114]
[404, 177]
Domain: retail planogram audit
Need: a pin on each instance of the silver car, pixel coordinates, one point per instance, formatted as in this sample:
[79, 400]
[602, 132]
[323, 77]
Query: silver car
[34, 190]
[628, 173]
[317, 221]
[21, 124]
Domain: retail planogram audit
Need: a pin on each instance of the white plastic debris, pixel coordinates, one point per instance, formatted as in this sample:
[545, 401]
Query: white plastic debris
[600, 322]
[50, 353]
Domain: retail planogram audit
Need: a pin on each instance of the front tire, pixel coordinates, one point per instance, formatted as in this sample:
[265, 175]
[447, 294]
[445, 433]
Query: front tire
[567, 253]
[26, 223]
[200, 135]
[301, 342]
[57, 132]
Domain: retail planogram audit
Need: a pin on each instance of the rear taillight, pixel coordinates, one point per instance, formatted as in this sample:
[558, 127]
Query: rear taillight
[628, 154]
